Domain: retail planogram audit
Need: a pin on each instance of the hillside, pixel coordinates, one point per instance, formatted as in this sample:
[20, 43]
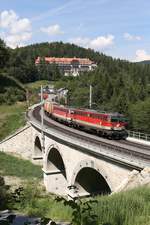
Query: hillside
[11, 90]
[118, 85]
[145, 62]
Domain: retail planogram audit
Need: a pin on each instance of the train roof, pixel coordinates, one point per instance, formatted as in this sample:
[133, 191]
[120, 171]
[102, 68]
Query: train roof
[115, 114]
[91, 111]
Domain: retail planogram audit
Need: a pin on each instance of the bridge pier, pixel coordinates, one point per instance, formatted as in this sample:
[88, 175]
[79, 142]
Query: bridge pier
[55, 182]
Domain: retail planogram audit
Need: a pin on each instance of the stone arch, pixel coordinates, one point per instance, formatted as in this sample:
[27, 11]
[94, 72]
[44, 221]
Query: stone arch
[37, 148]
[88, 178]
[54, 161]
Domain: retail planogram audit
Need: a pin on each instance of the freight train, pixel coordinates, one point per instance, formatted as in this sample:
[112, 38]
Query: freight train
[109, 125]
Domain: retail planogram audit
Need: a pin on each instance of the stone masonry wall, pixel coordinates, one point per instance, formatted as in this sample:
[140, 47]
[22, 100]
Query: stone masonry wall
[19, 143]
[135, 179]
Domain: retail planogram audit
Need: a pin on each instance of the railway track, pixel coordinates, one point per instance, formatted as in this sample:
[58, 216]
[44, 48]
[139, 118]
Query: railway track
[138, 145]
[126, 147]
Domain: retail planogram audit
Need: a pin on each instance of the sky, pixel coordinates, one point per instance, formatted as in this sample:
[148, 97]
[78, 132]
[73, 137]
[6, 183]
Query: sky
[118, 28]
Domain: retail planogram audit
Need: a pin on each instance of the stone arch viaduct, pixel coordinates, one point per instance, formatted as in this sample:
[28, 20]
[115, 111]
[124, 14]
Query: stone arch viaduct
[74, 167]
[69, 171]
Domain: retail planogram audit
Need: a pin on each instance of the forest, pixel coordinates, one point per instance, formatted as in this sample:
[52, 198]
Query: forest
[118, 85]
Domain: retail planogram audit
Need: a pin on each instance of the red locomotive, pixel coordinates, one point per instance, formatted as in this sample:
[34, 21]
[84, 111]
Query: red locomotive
[110, 125]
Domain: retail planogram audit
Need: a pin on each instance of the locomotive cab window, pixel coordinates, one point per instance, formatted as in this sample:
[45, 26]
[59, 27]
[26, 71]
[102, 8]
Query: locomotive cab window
[114, 119]
[124, 120]
[118, 119]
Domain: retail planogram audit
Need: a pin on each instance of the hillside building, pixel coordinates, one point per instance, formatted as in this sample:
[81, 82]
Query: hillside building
[70, 66]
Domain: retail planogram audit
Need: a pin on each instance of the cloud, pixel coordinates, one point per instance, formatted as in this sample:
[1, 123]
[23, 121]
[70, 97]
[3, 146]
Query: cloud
[7, 18]
[102, 42]
[22, 25]
[130, 37]
[17, 39]
[98, 43]
[141, 55]
[80, 41]
[52, 30]
[16, 31]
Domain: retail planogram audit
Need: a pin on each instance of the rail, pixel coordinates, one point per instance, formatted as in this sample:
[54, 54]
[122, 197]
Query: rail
[139, 135]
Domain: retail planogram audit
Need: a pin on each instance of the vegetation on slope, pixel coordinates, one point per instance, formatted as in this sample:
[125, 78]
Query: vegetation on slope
[128, 208]
[11, 90]
[125, 208]
[117, 85]
[4, 194]
[30, 198]
[12, 117]
[14, 166]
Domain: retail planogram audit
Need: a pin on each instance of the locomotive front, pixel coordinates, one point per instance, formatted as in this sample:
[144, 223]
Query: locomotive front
[119, 124]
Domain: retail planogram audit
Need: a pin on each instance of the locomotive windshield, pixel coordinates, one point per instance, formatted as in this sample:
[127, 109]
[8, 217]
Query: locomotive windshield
[118, 119]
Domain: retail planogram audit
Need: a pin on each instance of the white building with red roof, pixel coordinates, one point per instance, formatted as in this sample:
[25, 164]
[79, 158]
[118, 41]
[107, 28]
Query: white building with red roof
[70, 66]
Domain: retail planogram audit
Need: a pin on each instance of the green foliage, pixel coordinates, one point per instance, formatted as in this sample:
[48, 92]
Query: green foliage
[115, 89]
[117, 84]
[32, 200]
[11, 90]
[12, 117]
[125, 208]
[23, 70]
[141, 113]
[35, 86]
[48, 72]
[4, 54]
[14, 166]
[4, 194]
[82, 211]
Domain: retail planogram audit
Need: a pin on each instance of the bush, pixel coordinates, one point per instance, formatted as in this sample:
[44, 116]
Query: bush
[4, 195]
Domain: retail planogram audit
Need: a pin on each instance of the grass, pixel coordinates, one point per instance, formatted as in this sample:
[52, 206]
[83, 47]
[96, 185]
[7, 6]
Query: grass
[14, 166]
[34, 90]
[12, 117]
[36, 202]
[37, 84]
[126, 208]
